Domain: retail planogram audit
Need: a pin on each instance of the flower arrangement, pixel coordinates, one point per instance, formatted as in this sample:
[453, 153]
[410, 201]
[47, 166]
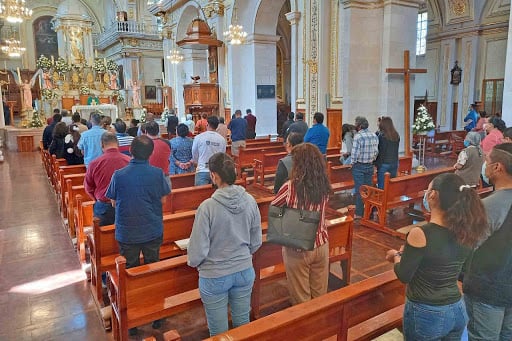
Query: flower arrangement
[36, 121]
[48, 94]
[118, 96]
[143, 115]
[99, 66]
[84, 90]
[112, 66]
[62, 66]
[423, 122]
[44, 63]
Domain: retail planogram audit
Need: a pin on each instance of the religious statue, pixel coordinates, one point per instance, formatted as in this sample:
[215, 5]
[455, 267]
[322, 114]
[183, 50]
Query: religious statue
[65, 86]
[26, 93]
[113, 81]
[76, 45]
[47, 79]
[135, 94]
[90, 79]
[106, 78]
[56, 77]
[75, 79]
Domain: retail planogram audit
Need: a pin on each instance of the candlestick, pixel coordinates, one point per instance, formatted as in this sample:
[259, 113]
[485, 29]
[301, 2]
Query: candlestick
[19, 74]
[163, 78]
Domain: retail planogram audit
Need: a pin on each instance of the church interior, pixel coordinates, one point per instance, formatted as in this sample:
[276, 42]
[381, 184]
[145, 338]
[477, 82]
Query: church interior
[127, 58]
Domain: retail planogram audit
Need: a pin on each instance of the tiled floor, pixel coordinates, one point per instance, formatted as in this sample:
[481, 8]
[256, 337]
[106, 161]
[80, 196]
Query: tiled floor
[43, 291]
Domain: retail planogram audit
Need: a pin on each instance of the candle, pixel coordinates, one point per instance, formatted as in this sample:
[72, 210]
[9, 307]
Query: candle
[53, 61]
[19, 74]
[95, 53]
[105, 61]
[40, 82]
[163, 79]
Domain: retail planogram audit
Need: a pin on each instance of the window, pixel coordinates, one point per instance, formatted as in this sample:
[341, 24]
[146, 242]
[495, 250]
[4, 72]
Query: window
[421, 34]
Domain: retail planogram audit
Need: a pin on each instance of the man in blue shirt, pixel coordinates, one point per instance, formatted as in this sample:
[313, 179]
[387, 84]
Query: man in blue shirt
[137, 192]
[238, 127]
[90, 140]
[471, 118]
[318, 134]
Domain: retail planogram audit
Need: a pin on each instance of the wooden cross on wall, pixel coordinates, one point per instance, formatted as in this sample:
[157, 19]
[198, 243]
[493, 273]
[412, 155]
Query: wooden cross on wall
[406, 71]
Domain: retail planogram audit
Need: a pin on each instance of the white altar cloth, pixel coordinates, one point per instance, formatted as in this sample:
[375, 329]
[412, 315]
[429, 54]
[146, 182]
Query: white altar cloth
[106, 109]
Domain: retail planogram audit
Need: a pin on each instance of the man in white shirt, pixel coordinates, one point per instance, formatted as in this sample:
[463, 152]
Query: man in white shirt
[205, 145]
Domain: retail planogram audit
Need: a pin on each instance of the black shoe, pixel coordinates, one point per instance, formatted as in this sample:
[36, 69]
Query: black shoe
[157, 324]
[133, 331]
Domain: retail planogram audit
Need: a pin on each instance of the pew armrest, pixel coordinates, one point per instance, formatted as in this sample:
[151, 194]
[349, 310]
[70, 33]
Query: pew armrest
[372, 194]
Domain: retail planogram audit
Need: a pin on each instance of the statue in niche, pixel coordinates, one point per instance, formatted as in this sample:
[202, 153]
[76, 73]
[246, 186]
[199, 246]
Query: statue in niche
[76, 45]
[75, 79]
[456, 74]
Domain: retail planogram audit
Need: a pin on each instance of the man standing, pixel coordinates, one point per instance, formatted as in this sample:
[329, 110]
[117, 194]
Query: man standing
[299, 126]
[284, 166]
[90, 140]
[161, 155]
[364, 151]
[488, 277]
[98, 176]
[77, 120]
[286, 125]
[172, 123]
[137, 191]
[222, 129]
[48, 131]
[204, 146]
[238, 127]
[251, 124]
[318, 134]
[123, 138]
[471, 118]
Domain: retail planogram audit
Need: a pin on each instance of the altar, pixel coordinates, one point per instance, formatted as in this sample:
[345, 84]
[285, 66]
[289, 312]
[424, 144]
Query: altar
[106, 109]
[12, 134]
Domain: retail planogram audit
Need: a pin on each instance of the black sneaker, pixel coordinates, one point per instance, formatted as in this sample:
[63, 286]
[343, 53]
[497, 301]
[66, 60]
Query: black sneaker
[157, 324]
[133, 331]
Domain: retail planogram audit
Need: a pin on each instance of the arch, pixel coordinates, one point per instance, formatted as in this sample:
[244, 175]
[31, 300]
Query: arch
[188, 13]
[267, 16]
[435, 14]
[495, 11]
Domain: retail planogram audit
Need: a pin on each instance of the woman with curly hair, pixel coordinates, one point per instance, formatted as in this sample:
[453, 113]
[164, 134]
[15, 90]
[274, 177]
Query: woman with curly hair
[307, 272]
[57, 147]
[433, 256]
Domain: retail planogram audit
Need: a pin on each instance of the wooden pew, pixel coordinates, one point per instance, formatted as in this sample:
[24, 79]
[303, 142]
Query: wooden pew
[266, 164]
[84, 224]
[72, 209]
[56, 163]
[246, 156]
[149, 292]
[189, 198]
[76, 180]
[399, 191]
[361, 311]
[183, 180]
[268, 261]
[61, 183]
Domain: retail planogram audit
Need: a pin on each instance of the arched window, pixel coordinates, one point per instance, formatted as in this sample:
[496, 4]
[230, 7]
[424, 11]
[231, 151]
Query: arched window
[421, 34]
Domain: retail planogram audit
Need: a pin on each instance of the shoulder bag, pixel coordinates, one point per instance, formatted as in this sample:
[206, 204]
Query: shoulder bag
[292, 227]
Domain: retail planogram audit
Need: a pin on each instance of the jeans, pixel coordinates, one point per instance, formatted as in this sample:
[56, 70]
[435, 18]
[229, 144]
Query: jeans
[202, 178]
[424, 322]
[488, 322]
[382, 169]
[216, 293]
[150, 251]
[362, 173]
[105, 212]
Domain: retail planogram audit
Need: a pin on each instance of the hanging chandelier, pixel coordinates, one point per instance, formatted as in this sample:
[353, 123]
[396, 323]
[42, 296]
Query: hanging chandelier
[235, 34]
[175, 56]
[13, 48]
[14, 11]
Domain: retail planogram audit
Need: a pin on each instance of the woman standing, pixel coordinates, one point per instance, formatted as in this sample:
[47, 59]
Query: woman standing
[226, 232]
[470, 160]
[307, 272]
[57, 147]
[432, 260]
[181, 151]
[347, 137]
[387, 159]
[73, 154]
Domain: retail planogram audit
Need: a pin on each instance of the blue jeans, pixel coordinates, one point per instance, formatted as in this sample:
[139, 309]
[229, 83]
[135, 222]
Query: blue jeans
[488, 322]
[202, 178]
[424, 322]
[362, 174]
[382, 169]
[105, 212]
[216, 293]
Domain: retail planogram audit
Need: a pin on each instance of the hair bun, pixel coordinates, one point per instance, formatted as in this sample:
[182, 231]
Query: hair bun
[461, 188]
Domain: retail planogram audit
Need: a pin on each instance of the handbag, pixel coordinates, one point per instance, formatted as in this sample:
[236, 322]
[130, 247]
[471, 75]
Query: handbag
[291, 227]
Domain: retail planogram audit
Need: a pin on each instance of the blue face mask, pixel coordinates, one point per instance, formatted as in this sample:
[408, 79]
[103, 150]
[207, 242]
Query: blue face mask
[467, 143]
[425, 202]
[484, 177]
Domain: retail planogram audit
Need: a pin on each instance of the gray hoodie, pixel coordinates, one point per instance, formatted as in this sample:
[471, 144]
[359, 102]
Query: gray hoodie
[226, 232]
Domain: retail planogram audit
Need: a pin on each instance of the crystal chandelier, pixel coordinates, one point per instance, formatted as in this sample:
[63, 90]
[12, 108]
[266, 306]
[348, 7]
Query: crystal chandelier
[175, 56]
[14, 11]
[235, 35]
[13, 48]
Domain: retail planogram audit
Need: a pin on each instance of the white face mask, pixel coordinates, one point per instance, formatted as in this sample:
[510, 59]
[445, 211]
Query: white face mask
[484, 177]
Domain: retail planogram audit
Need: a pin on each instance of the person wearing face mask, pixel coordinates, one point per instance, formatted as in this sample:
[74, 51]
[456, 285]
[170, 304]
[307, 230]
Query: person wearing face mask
[433, 256]
[487, 280]
[494, 130]
[470, 160]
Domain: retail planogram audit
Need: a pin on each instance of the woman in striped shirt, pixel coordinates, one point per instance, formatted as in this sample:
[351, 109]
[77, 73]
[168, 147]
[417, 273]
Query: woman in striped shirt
[307, 272]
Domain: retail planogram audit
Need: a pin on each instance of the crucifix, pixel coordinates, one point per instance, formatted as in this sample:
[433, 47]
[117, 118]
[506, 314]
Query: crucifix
[406, 71]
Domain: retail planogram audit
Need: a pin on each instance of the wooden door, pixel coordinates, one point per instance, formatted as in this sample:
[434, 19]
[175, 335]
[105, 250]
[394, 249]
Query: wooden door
[334, 123]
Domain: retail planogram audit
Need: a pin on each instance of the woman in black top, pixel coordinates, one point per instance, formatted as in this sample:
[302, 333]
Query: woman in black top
[389, 140]
[57, 147]
[432, 259]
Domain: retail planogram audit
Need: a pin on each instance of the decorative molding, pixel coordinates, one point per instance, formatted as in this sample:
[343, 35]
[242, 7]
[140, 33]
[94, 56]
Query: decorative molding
[458, 11]
[304, 44]
[445, 83]
[466, 75]
[314, 37]
[293, 17]
[214, 7]
[334, 50]
[375, 4]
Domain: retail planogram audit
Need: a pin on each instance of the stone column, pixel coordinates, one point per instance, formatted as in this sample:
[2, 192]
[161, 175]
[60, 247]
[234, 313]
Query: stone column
[217, 25]
[293, 18]
[465, 94]
[446, 90]
[507, 89]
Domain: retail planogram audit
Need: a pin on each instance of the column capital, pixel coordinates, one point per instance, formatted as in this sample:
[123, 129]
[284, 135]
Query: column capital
[293, 17]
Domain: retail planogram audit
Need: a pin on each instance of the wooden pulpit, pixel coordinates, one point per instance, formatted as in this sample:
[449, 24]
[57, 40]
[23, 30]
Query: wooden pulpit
[201, 98]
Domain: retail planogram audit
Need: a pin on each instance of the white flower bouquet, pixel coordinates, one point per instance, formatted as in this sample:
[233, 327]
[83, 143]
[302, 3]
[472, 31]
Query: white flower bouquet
[423, 122]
